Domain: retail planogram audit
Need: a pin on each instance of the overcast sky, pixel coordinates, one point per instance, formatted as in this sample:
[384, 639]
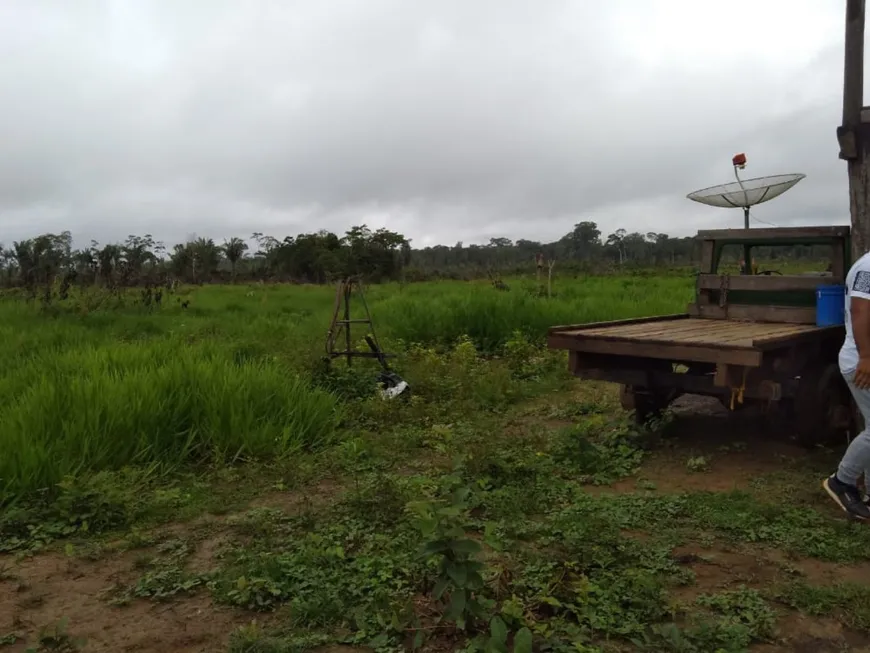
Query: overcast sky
[444, 120]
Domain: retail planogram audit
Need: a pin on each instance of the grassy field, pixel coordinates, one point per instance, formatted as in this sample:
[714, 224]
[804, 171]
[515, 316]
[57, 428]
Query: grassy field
[191, 478]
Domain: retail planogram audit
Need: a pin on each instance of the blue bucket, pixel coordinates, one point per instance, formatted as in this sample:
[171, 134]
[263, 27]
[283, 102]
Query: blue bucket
[830, 305]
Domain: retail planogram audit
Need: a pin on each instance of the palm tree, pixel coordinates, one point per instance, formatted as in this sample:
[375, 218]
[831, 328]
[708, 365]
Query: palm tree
[234, 249]
[206, 257]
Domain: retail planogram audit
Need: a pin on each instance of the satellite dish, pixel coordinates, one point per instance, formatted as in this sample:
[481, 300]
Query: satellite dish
[744, 194]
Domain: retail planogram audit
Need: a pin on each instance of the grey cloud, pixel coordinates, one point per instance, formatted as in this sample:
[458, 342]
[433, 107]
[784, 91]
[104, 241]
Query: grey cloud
[444, 120]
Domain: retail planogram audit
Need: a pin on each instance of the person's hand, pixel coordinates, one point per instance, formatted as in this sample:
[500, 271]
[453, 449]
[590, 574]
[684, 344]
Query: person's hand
[862, 373]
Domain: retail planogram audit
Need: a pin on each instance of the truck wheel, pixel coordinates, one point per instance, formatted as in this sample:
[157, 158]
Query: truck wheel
[646, 405]
[822, 407]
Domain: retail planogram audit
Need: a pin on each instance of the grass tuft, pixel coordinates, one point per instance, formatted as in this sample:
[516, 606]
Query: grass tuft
[96, 409]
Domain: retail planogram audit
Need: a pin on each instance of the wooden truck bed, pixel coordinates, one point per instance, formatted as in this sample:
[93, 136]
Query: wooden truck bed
[745, 338]
[684, 338]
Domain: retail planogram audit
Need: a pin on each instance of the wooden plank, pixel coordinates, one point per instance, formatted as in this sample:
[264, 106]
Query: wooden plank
[575, 362]
[695, 330]
[778, 340]
[662, 350]
[702, 296]
[706, 331]
[777, 233]
[775, 314]
[707, 248]
[761, 335]
[726, 339]
[708, 266]
[650, 335]
[838, 262]
[634, 320]
[720, 339]
[764, 282]
[641, 330]
[720, 334]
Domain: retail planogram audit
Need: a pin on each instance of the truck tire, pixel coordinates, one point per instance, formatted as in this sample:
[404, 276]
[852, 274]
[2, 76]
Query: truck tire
[822, 409]
[647, 405]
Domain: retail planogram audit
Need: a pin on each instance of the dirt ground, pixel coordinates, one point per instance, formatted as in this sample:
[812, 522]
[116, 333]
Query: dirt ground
[38, 591]
[42, 590]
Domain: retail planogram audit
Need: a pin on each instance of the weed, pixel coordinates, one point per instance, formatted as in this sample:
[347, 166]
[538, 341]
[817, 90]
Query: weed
[379, 497]
[526, 359]
[849, 602]
[698, 464]
[344, 573]
[601, 449]
[9, 639]
[94, 505]
[55, 638]
[165, 577]
[740, 617]
[442, 525]
[349, 383]
[253, 639]
[162, 584]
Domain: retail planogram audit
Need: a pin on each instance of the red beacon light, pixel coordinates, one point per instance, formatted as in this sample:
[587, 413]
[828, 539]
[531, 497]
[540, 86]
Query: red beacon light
[739, 161]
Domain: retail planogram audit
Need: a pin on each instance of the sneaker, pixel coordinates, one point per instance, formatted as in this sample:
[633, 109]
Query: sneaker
[848, 497]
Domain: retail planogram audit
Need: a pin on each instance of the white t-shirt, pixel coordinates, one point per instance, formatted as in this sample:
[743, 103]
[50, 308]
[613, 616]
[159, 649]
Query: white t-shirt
[857, 285]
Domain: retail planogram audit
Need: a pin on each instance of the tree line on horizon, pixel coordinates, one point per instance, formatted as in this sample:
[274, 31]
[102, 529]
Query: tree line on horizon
[321, 257]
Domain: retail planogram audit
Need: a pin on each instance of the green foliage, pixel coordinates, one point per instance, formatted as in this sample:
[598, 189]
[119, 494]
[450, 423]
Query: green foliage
[460, 519]
[459, 583]
[698, 464]
[102, 409]
[345, 573]
[56, 638]
[850, 602]
[491, 319]
[9, 639]
[600, 449]
[93, 505]
[253, 639]
[348, 383]
[164, 584]
[526, 358]
[459, 376]
[738, 619]
[165, 577]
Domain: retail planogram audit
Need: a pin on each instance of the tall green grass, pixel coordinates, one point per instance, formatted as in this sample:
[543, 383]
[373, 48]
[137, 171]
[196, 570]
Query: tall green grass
[443, 312]
[227, 377]
[153, 404]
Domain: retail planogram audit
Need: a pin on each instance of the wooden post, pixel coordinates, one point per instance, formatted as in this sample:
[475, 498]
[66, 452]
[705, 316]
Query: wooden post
[854, 134]
[550, 265]
[348, 342]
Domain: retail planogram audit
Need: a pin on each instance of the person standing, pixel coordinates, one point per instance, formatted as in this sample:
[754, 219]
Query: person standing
[854, 359]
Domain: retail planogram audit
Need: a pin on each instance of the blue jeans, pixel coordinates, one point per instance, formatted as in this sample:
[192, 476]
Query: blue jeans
[856, 460]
